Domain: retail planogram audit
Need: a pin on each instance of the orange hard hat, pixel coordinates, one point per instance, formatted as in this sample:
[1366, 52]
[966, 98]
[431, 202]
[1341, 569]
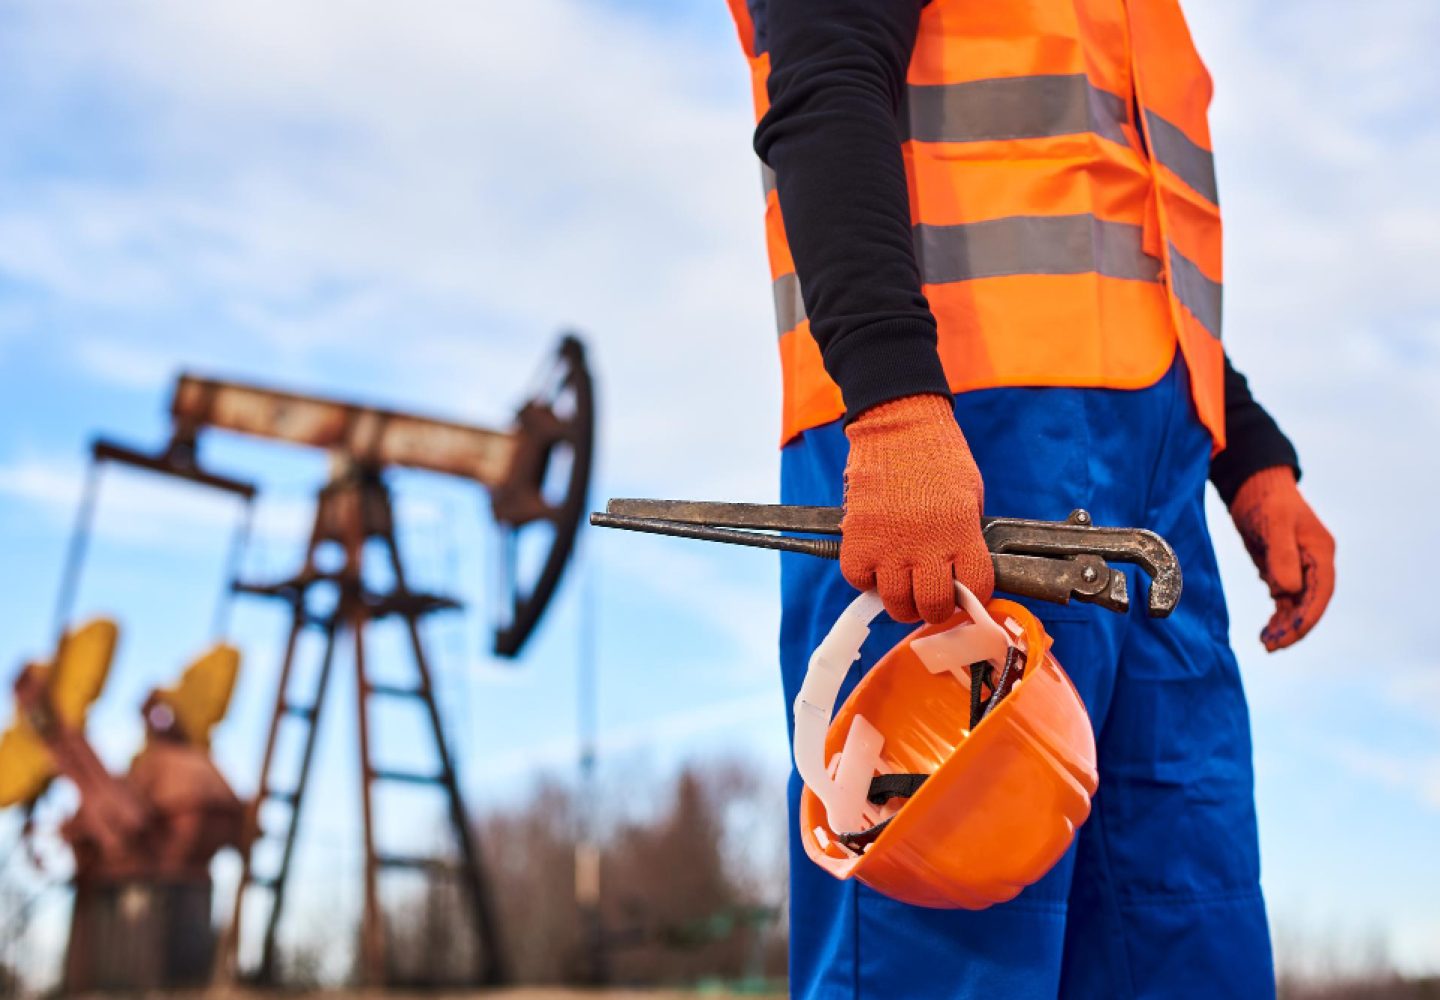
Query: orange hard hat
[926, 790]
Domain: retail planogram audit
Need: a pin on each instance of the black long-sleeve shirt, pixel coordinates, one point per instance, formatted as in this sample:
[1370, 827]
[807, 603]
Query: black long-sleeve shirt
[832, 136]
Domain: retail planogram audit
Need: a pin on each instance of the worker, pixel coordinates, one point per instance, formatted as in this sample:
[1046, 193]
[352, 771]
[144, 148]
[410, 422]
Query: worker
[994, 239]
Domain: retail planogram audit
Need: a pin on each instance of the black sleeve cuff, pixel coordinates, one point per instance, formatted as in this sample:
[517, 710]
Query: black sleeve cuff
[1253, 441]
[887, 360]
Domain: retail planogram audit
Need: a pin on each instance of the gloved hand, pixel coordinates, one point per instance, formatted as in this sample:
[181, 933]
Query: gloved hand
[912, 509]
[1292, 550]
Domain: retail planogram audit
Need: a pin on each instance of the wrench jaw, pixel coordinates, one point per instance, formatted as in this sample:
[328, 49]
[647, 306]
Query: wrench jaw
[1164, 592]
[1115, 596]
[1101, 584]
[1060, 579]
[1077, 539]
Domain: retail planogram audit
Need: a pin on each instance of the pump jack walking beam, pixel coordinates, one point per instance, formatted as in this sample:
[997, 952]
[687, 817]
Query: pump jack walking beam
[514, 464]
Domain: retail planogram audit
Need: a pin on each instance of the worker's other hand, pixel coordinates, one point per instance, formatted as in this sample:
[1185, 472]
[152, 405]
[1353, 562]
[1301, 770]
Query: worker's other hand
[912, 510]
[1292, 550]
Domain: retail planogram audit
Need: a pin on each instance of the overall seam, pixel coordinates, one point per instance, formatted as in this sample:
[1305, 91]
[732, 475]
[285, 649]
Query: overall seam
[855, 936]
[1167, 429]
[1112, 902]
[1107, 891]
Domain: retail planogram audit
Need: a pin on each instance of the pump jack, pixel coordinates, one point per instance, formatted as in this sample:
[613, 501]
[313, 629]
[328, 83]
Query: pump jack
[551, 439]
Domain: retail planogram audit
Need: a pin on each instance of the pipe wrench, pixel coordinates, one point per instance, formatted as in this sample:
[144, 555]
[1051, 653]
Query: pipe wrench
[1053, 561]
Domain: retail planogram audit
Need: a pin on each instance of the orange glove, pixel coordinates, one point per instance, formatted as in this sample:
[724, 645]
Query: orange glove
[912, 509]
[1292, 550]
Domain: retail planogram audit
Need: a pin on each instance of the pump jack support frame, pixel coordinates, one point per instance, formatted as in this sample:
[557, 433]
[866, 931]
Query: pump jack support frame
[355, 508]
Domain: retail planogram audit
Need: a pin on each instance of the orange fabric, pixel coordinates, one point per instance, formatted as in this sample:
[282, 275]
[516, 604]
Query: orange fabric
[1042, 328]
[1171, 80]
[961, 40]
[1002, 802]
[1170, 75]
[957, 182]
[740, 11]
[810, 397]
[1066, 347]
[759, 74]
[1293, 551]
[1193, 224]
[913, 498]
[775, 242]
[1206, 360]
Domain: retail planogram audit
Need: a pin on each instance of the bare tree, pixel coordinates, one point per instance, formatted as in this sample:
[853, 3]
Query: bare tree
[1335, 964]
[689, 890]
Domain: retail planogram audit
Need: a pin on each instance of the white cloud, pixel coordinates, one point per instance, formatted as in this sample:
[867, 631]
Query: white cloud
[356, 184]
[128, 366]
[1416, 776]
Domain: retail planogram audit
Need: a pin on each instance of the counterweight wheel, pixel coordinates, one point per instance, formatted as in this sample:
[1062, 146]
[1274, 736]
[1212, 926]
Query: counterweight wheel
[545, 494]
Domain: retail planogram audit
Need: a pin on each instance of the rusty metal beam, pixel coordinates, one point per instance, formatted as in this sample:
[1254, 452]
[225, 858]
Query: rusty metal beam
[369, 435]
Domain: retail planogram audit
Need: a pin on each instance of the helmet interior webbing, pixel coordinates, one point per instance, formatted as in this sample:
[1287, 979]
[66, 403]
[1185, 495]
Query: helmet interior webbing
[884, 787]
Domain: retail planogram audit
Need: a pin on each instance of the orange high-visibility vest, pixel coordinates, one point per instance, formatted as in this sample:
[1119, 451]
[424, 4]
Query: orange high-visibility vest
[1062, 192]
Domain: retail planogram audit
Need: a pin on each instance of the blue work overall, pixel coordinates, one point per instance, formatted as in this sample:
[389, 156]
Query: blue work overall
[1160, 894]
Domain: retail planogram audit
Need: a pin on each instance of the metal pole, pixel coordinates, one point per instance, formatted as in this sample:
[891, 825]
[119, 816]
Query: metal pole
[493, 969]
[233, 560]
[587, 847]
[227, 959]
[292, 830]
[372, 931]
[75, 555]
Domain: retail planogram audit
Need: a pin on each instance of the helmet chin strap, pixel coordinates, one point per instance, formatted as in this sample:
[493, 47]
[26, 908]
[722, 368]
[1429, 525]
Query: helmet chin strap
[846, 789]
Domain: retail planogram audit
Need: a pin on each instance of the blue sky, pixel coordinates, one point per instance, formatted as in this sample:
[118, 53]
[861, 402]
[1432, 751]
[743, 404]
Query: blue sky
[407, 208]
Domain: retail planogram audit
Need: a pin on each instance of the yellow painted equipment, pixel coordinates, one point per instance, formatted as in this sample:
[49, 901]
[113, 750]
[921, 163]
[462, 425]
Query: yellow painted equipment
[200, 698]
[75, 677]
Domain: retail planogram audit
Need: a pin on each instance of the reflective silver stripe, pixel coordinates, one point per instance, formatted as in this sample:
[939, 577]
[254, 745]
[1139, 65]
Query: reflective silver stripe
[789, 306]
[1191, 162]
[1022, 107]
[767, 179]
[1033, 244]
[1196, 292]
